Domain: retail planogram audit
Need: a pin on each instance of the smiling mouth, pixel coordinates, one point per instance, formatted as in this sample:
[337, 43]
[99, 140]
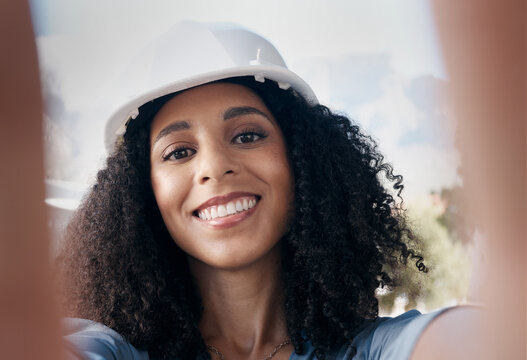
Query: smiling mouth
[232, 207]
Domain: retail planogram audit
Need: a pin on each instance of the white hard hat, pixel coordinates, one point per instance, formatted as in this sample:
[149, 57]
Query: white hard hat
[192, 54]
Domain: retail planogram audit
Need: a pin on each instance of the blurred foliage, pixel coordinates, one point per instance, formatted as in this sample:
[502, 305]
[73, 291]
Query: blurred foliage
[454, 218]
[434, 219]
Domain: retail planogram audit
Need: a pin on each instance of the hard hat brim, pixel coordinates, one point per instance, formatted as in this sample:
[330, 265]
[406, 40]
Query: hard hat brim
[116, 125]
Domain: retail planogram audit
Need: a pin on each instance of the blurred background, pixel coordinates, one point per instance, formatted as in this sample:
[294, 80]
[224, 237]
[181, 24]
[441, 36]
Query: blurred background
[378, 62]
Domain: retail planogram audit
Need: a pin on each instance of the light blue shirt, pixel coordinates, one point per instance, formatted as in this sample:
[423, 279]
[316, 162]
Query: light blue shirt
[381, 339]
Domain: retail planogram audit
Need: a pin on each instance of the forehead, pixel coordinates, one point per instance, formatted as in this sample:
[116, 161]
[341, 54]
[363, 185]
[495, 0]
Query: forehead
[206, 101]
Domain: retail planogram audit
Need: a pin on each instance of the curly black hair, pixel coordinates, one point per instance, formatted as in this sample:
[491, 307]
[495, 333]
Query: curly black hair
[120, 266]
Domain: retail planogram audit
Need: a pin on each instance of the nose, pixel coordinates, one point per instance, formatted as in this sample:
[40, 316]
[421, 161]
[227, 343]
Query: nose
[215, 163]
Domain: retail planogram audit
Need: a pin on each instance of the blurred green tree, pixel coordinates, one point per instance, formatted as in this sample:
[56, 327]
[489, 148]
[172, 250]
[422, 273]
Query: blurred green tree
[434, 219]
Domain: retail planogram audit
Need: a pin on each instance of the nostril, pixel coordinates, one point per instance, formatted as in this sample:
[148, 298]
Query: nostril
[216, 177]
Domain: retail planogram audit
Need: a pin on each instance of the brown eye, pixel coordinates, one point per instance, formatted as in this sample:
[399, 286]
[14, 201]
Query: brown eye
[247, 137]
[179, 153]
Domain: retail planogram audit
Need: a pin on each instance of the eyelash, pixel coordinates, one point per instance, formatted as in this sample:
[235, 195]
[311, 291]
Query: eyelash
[250, 131]
[179, 149]
[260, 135]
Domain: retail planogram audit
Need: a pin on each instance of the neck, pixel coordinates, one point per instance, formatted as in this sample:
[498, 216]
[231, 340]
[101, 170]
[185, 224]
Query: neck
[243, 308]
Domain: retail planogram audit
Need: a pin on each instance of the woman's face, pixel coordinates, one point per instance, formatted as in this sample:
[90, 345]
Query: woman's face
[220, 175]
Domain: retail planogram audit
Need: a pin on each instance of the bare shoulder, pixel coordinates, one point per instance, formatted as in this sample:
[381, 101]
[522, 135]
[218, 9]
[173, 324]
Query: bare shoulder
[457, 333]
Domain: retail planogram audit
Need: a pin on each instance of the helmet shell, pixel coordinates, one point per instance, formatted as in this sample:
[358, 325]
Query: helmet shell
[192, 54]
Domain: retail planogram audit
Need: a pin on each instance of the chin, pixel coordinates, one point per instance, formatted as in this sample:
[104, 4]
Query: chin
[237, 262]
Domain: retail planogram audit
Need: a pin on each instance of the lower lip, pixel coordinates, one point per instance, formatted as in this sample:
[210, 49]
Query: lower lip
[227, 221]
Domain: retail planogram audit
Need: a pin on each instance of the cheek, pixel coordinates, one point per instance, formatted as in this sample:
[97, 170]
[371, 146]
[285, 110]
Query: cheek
[169, 191]
[284, 169]
[279, 172]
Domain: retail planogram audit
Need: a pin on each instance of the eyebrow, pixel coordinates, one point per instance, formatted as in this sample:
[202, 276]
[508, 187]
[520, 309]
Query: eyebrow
[242, 110]
[177, 126]
[227, 115]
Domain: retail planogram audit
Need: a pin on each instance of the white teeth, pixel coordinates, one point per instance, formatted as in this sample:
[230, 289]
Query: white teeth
[213, 213]
[230, 208]
[222, 211]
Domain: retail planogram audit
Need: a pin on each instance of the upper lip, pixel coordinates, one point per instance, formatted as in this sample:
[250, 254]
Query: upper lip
[222, 199]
